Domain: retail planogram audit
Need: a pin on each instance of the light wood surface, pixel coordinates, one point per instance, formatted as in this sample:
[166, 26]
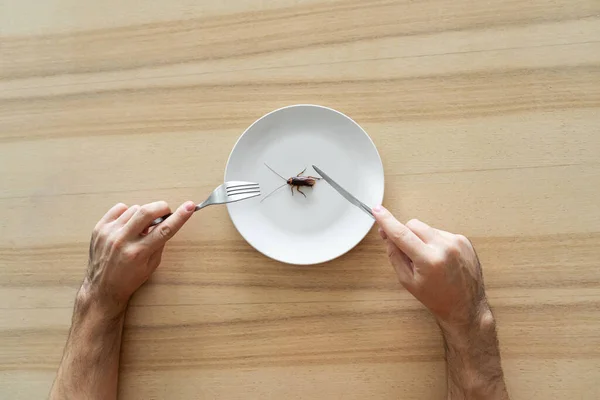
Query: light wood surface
[486, 115]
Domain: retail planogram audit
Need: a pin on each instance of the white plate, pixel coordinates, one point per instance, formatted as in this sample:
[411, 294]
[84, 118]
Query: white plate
[324, 225]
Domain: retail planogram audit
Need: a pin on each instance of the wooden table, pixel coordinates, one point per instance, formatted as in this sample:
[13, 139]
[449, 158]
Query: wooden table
[487, 117]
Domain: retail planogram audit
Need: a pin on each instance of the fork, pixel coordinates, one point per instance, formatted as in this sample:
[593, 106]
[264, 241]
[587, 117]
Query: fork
[229, 192]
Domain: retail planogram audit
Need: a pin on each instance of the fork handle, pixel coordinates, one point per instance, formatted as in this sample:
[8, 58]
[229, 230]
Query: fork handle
[160, 219]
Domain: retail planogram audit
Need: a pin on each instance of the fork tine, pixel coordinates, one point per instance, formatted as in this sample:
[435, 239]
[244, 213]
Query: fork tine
[238, 188]
[243, 193]
[241, 187]
[234, 184]
[242, 190]
[243, 196]
[246, 185]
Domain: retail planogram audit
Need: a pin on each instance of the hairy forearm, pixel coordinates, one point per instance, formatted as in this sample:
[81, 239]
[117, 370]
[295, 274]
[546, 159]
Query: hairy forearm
[90, 365]
[473, 360]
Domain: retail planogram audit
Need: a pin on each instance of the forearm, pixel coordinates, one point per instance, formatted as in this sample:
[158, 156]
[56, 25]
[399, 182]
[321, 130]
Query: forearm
[90, 365]
[473, 360]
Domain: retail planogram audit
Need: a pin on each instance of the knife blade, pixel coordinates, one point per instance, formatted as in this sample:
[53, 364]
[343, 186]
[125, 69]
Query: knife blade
[344, 192]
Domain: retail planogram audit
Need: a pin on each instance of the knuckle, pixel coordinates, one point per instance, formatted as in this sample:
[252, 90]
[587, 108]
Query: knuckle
[462, 240]
[131, 253]
[452, 250]
[102, 229]
[437, 260]
[107, 229]
[115, 242]
[119, 207]
[96, 231]
[119, 242]
[165, 231]
[399, 235]
[109, 242]
[144, 211]
[110, 237]
[412, 223]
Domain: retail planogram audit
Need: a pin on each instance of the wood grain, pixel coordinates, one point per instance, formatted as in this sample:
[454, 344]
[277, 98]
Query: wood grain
[487, 117]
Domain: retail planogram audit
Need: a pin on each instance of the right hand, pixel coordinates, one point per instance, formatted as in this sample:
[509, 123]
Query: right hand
[124, 253]
[439, 268]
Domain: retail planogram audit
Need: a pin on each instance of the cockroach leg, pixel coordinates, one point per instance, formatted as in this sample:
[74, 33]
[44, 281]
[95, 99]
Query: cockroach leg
[301, 172]
[298, 189]
[292, 189]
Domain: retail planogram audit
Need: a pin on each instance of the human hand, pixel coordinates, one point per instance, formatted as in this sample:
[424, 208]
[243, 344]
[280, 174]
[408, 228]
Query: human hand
[124, 253]
[439, 268]
[442, 271]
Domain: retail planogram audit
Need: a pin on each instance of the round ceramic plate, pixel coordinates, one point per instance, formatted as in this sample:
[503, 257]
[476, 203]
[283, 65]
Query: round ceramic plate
[323, 225]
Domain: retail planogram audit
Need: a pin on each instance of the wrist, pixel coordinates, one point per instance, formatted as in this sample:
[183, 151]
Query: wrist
[473, 357]
[91, 303]
[480, 322]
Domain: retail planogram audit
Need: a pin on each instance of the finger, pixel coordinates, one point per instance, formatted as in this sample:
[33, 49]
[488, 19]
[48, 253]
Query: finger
[401, 263]
[446, 234]
[169, 227]
[113, 213]
[126, 216]
[425, 232]
[456, 239]
[144, 216]
[406, 240]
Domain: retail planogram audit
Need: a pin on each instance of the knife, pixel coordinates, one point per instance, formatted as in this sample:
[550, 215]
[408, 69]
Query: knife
[344, 192]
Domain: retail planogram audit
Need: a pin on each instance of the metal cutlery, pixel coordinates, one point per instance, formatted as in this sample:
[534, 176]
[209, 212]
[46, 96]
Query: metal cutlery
[345, 193]
[229, 192]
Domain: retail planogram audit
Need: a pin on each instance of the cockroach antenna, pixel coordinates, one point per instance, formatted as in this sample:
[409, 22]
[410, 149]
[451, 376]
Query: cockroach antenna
[275, 172]
[264, 198]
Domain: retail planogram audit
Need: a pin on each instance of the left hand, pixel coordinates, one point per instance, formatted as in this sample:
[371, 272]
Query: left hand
[124, 253]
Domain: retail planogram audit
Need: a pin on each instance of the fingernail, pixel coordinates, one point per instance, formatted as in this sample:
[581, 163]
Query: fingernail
[378, 209]
[382, 233]
[189, 206]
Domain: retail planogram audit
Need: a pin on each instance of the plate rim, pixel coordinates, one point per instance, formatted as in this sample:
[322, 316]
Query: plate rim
[294, 106]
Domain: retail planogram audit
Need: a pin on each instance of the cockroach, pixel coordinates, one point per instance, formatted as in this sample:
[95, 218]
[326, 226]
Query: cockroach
[294, 182]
